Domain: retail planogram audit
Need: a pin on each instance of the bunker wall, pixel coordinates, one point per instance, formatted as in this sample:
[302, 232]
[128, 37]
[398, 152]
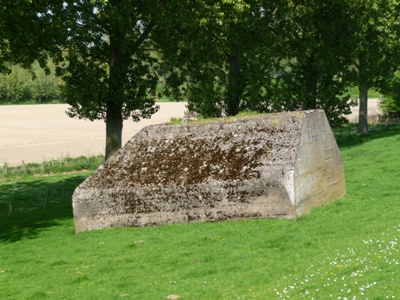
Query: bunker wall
[319, 173]
[245, 168]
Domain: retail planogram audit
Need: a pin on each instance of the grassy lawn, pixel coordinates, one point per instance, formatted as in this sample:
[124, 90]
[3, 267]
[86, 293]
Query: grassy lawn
[347, 249]
[354, 93]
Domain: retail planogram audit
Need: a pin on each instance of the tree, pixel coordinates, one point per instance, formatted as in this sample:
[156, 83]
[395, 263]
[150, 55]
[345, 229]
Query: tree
[109, 71]
[46, 87]
[224, 55]
[102, 50]
[315, 70]
[390, 104]
[28, 85]
[24, 33]
[375, 47]
[265, 56]
[16, 86]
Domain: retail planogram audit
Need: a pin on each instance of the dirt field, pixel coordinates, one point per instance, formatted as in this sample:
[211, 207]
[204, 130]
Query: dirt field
[373, 109]
[33, 133]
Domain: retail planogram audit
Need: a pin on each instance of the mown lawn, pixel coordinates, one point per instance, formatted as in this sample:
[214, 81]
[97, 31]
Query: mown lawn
[347, 249]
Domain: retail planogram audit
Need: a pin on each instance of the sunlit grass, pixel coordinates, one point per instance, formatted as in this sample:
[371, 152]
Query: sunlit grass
[370, 271]
[354, 93]
[346, 249]
[244, 114]
[54, 166]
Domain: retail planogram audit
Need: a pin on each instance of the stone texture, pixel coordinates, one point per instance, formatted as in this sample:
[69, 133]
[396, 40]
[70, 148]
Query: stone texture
[274, 165]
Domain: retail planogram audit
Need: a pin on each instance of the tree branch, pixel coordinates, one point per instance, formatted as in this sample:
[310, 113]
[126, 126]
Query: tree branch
[356, 64]
[144, 35]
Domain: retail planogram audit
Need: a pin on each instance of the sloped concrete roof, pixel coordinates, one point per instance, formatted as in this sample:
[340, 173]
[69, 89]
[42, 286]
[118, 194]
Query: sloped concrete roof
[250, 167]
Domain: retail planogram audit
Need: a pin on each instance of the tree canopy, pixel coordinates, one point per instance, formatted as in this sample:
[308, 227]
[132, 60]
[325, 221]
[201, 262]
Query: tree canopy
[225, 55]
[374, 44]
[109, 71]
[221, 56]
[102, 50]
[272, 56]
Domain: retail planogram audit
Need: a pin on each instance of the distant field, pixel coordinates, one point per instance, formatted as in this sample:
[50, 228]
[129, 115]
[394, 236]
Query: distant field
[346, 249]
[37, 133]
[34, 133]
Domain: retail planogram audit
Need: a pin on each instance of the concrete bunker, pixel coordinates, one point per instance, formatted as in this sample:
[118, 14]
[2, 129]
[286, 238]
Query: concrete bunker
[273, 165]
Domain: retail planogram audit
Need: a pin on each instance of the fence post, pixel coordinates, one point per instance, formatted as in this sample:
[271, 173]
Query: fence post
[5, 168]
[23, 166]
[47, 198]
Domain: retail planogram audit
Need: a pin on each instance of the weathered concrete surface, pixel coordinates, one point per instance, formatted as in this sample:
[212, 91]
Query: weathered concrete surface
[275, 165]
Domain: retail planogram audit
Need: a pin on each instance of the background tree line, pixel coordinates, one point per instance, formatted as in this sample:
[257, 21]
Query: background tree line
[289, 55]
[223, 57]
[30, 86]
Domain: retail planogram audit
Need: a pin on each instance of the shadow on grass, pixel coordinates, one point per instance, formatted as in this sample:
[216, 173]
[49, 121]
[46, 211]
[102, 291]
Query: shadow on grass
[347, 140]
[30, 206]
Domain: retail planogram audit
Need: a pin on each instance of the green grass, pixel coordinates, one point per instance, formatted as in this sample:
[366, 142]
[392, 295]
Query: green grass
[354, 93]
[60, 165]
[244, 114]
[345, 249]
[32, 101]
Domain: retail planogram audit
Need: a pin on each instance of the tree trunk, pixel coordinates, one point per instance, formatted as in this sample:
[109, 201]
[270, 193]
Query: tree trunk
[235, 82]
[114, 120]
[165, 72]
[363, 93]
[311, 78]
[114, 124]
[363, 109]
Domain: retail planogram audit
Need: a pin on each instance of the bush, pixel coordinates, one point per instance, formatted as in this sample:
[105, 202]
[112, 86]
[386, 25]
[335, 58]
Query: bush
[390, 103]
[21, 85]
[17, 86]
[46, 87]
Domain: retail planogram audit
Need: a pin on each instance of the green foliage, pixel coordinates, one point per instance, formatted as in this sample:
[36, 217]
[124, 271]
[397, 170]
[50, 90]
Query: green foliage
[330, 95]
[27, 32]
[375, 39]
[316, 72]
[46, 87]
[374, 44]
[390, 104]
[266, 57]
[22, 85]
[104, 65]
[102, 51]
[390, 107]
[175, 121]
[269, 56]
[224, 55]
[347, 248]
[16, 87]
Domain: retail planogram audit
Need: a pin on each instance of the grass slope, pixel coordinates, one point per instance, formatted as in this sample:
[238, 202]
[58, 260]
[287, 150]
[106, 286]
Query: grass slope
[347, 249]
